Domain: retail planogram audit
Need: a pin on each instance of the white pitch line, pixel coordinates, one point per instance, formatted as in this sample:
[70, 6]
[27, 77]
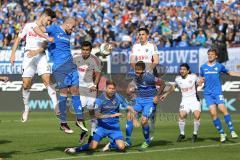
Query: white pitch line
[147, 151]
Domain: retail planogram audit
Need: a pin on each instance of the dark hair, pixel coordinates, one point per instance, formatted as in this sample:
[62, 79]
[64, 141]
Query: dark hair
[186, 66]
[49, 12]
[110, 82]
[86, 44]
[140, 64]
[213, 50]
[144, 29]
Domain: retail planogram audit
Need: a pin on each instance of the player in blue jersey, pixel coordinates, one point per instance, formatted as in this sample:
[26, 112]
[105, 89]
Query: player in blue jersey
[146, 92]
[107, 108]
[210, 73]
[64, 70]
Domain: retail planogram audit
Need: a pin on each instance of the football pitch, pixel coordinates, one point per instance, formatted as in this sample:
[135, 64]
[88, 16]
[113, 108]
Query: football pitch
[41, 139]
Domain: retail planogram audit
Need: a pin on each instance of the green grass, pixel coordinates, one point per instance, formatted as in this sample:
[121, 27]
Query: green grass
[40, 138]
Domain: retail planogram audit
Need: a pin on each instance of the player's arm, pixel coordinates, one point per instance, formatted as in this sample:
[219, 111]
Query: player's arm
[155, 58]
[235, 74]
[97, 74]
[168, 91]
[14, 48]
[40, 30]
[4, 78]
[41, 50]
[133, 57]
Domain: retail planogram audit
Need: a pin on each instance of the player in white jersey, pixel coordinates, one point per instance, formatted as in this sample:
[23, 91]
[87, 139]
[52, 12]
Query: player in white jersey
[187, 83]
[89, 71]
[35, 59]
[144, 51]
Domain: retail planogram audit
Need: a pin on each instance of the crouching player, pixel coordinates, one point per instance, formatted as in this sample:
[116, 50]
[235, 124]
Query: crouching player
[107, 108]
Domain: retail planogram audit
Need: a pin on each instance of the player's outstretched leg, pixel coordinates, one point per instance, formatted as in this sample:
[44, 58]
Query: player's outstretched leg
[228, 120]
[196, 125]
[129, 130]
[217, 122]
[26, 95]
[153, 121]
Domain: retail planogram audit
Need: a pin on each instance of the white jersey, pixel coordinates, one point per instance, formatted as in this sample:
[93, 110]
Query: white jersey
[187, 86]
[86, 69]
[144, 53]
[33, 41]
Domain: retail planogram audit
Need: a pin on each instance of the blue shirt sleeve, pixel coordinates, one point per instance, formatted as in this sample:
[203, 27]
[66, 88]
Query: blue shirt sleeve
[122, 102]
[201, 71]
[50, 29]
[98, 105]
[224, 69]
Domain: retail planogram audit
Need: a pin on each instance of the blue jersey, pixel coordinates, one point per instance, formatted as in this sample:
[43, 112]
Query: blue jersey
[212, 75]
[146, 86]
[59, 50]
[107, 106]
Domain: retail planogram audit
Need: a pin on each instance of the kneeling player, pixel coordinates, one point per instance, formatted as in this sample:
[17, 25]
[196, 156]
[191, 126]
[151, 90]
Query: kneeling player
[190, 101]
[107, 109]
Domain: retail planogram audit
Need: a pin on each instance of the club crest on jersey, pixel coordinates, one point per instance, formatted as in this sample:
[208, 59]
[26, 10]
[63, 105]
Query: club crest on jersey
[216, 68]
[114, 102]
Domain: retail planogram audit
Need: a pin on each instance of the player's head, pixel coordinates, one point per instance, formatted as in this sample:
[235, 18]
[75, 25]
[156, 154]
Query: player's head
[139, 68]
[110, 88]
[86, 49]
[69, 25]
[143, 35]
[212, 55]
[47, 16]
[184, 69]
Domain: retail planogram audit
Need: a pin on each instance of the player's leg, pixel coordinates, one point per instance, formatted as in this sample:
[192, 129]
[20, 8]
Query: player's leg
[116, 141]
[153, 121]
[129, 129]
[26, 94]
[181, 124]
[148, 106]
[51, 92]
[228, 120]
[196, 124]
[63, 92]
[217, 122]
[43, 70]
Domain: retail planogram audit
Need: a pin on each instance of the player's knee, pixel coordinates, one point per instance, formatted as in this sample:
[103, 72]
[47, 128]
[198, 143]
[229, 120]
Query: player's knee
[93, 146]
[26, 86]
[144, 121]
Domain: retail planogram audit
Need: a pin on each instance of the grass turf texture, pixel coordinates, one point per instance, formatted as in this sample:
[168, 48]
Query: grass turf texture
[40, 138]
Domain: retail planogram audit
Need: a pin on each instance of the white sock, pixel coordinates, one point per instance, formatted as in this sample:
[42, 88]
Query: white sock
[93, 126]
[26, 95]
[53, 95]
[196, 126]
[181, 124]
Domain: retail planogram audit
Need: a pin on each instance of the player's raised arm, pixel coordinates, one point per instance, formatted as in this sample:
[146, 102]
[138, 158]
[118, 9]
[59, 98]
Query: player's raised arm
[40, 30]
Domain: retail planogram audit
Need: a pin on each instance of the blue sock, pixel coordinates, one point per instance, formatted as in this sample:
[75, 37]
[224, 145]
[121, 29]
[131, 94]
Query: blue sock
[77, 107]
[217, 123]
[146, 130]
[84, 147]
[129, 129]
[229, 122]
[62, 108]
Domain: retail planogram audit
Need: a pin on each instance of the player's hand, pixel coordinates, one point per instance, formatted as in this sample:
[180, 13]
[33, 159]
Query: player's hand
[163, 97]
[155, 100]
[4, 79]
[31, 54]
[50, 39]
[201, 81]
[12, 59]
[93, 89]
[116, 115]
[136, 123]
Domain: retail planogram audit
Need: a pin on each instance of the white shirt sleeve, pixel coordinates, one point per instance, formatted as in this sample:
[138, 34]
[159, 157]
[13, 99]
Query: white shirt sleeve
[23, 32]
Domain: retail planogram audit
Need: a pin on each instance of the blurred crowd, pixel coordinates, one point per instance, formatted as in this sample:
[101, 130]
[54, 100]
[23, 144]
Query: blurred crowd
[179, 23]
